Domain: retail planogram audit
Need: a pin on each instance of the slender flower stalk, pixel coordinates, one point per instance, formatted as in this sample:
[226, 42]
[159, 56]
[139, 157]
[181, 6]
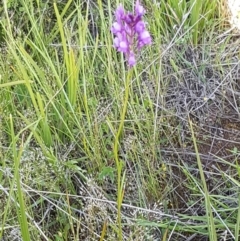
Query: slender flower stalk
[119, 163]
[131, 35]
[130, 32]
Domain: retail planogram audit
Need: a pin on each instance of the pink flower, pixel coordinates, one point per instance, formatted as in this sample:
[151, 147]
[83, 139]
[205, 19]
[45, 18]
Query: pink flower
[116, 27]
[140, 26]
[139, 10]
[130, 32]
[131, 59]
[119, 13]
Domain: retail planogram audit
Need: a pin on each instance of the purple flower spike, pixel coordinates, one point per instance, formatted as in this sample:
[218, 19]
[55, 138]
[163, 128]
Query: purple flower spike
[130, 32]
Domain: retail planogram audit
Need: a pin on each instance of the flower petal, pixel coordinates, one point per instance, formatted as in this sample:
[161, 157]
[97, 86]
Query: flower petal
[131, 59]
[145, 37]
[116, 42]
[116, 27]
[120, 13]
[123, 46]
[140, 27]
[139, 10]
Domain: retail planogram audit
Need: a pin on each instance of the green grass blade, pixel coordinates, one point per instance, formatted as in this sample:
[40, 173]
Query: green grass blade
[210, 219]
[22, 217]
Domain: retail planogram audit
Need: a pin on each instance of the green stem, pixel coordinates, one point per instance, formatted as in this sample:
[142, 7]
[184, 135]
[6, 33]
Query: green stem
[120, 191]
